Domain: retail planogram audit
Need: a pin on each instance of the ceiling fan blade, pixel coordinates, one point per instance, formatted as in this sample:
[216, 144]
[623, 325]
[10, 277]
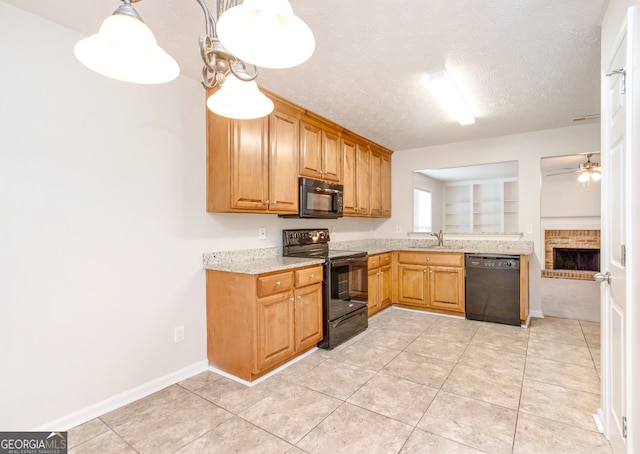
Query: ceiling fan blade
[562, 173]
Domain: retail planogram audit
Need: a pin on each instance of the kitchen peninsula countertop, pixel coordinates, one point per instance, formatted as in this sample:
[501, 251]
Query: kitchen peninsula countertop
[266, 260]
[253, 261]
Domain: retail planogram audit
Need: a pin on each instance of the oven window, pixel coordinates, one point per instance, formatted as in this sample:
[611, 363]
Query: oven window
[350, 282]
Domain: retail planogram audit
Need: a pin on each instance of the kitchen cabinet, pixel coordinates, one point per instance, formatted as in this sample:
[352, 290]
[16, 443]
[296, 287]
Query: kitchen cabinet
[366, 178]
[380, 183]
[430, 280]
[252, 164]
[256, 323]
[320, 153]
[379, 286]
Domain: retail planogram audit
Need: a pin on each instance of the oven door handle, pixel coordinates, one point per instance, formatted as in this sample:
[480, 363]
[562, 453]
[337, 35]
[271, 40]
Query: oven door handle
[348, 261]
[358, 313]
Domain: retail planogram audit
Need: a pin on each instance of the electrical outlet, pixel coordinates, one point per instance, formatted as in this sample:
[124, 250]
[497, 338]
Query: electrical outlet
[178, 334]
[262, 233]
[529, 229]
[333, 229]
[398, 229]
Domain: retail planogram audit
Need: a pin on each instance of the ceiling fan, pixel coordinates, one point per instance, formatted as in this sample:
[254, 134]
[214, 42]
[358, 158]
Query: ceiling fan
[589, 171]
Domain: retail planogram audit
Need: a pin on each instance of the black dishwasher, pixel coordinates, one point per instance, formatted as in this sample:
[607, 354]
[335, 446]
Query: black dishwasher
[492, 288]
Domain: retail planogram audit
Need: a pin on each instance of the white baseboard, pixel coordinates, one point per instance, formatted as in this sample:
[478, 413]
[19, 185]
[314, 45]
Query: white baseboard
[100, 408]
[536, 314]
[598, 418]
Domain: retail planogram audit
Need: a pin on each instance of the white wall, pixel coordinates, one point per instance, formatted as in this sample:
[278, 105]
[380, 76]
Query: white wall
[564, 196]
[102, 228]
[527, 148]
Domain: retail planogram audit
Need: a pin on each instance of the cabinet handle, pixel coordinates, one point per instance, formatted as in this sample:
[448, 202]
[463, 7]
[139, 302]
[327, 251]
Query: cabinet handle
[266, 202]
[299, 297]
[291, 299]
[277, 282]
[311, 276]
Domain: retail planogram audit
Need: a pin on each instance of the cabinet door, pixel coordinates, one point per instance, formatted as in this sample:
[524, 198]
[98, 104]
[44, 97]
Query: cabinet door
[310, 150]
[283, 162]
[375, 164]
[385, 185]
[308, 313]
[349, 175]
[412, 285]
[384, 286]
[363, 169]
[249, 164]
[275, 330]
[331, 156]
[446, 285]
[373, 292]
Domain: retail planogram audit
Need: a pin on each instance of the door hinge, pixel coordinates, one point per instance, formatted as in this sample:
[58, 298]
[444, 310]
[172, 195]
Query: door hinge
[623, 255]
[624, 427]
[623, 81]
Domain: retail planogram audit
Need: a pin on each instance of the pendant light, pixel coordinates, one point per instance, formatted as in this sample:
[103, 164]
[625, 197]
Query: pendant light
[266, 33]
[239, 100]
[125, 49]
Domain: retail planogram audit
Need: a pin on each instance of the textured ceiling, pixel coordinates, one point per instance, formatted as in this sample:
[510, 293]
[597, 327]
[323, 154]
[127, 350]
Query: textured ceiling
[522, 65]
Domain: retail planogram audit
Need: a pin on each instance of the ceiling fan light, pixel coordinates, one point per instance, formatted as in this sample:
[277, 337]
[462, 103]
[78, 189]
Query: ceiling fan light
[239, 100]
[595, 176]
[584, 177]
[125, 49]
[266, 33]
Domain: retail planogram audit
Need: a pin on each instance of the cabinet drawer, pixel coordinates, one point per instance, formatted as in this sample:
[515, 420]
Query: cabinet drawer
[385, 259]
[275, 283]
[378, 260]
[431, 258]
[374, 262]
[308, 276]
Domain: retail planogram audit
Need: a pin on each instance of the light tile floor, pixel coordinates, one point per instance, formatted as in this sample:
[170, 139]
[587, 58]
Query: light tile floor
[412, 383]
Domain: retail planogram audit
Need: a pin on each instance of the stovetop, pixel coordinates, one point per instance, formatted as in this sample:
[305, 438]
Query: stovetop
[312, 243]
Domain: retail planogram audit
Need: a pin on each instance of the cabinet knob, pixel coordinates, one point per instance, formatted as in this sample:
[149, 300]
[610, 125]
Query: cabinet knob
[299, 297]
[424, 271]
[277, 282]
[291, 299]
[266, 202]
[311, 276]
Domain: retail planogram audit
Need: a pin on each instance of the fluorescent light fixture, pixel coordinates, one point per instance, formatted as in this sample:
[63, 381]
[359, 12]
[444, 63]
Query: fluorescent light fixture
[451, 97]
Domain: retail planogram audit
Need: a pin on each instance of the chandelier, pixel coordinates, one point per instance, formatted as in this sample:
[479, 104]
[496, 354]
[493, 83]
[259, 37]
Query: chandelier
[237, 40]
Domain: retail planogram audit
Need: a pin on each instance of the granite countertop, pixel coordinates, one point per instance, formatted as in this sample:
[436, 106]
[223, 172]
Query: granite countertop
[258, 261]
[261, 265]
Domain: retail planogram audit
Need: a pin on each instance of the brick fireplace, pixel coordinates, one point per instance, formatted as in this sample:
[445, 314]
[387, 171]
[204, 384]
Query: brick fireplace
[573, 244]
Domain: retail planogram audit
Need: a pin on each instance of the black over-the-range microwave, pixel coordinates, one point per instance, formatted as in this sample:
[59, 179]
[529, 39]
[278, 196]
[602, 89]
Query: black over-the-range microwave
[318, 199]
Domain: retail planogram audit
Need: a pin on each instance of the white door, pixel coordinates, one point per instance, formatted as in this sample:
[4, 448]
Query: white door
[616, 134]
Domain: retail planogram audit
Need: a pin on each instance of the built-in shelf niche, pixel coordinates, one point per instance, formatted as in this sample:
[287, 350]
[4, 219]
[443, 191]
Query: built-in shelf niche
[481, 206]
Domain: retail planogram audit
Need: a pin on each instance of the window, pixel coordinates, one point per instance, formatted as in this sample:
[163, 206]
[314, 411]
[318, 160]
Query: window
[421, 210]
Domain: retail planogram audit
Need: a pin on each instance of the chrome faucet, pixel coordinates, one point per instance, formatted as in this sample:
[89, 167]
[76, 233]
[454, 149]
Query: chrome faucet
[440, 237]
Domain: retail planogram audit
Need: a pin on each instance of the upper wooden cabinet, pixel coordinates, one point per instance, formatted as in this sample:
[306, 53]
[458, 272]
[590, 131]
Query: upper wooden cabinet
[320, 153]
[380, 182]
[253, 165]
[366, 178]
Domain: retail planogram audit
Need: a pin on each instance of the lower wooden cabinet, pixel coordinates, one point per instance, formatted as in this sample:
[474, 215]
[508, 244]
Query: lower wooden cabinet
[380, 282]
[257, 323]
[430, 280]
